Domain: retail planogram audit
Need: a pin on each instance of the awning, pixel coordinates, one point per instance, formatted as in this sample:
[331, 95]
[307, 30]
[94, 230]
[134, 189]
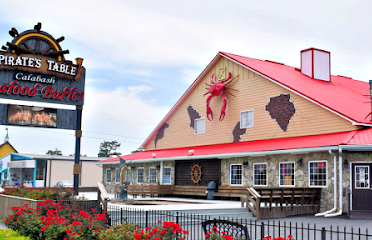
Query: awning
[4, 170]
[351, 139]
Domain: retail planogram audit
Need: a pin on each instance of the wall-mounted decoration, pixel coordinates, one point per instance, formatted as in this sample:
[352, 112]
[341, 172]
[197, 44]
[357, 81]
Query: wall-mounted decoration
[196, 173]
[281, 110]
[160, 134]
[221, 74]
[237, 132]
[193, 114]
[215, 89]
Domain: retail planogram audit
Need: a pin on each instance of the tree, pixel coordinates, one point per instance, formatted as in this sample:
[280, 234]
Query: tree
[54, 152]
[138, 150]
[107, 149]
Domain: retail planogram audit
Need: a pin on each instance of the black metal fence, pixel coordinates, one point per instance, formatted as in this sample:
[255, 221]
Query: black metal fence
[256, 229]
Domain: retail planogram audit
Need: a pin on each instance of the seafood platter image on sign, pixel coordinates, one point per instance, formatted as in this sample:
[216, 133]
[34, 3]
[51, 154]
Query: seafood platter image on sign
[33, 68]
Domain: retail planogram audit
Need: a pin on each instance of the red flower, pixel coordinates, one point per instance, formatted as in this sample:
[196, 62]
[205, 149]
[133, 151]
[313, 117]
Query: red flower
[43, 228]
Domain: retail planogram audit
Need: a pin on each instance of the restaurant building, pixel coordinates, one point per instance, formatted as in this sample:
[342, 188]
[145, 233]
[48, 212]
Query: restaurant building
[247, 122]
[32, 170]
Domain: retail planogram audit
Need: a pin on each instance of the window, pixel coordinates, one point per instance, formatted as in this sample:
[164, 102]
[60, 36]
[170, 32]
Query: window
[236, 174]
[318, 174]
[167, 175]
[117, 176]
[140, 175]
[260, 174]
[41, 164]
[361, 177]
[246, 119]
[199, 125]
[152, 174]
[286, 174]
[108, 175]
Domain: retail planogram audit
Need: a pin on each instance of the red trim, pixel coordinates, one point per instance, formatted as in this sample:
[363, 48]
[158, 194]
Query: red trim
[314, 49]
[357, 137]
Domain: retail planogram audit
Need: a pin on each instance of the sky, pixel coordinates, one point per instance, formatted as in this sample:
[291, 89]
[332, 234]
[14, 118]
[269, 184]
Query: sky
[141, 56]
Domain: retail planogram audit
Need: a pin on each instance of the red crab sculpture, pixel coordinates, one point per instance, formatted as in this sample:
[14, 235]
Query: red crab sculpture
[215, 89]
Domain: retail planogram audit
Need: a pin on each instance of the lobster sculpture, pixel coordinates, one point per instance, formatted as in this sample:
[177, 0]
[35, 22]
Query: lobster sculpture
[215, 89]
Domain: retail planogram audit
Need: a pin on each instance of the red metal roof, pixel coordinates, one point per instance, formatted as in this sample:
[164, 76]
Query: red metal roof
[357, 137]
[345, 96]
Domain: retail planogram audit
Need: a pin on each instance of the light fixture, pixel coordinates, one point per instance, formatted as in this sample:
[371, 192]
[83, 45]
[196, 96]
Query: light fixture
[191, 152]
[300, 162]
[153, 155]
[158, 167]
[245, 164]
[346, 163]
[79, 61]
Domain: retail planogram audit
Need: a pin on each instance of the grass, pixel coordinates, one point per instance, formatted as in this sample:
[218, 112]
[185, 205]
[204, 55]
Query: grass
[11, 235]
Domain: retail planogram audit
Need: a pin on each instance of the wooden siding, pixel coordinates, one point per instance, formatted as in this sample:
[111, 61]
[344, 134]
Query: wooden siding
[90, 174]
[211, 171]
[60, 171]
[254, 93]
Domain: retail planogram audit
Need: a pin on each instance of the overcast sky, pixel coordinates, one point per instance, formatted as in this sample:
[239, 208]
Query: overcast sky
[141, 56]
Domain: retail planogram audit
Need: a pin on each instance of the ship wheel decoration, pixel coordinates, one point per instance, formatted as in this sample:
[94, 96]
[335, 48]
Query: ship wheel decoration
[35, 42]
[196, 173]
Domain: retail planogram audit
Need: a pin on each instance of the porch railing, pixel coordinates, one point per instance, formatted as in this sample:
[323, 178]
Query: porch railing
[282, 202]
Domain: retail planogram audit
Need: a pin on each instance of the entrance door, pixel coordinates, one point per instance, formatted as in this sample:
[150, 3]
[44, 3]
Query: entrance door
[362, 190]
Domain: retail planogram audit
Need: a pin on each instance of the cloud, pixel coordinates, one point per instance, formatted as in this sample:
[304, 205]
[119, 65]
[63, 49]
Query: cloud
[114, 33]
[140, 54]
[107, 115]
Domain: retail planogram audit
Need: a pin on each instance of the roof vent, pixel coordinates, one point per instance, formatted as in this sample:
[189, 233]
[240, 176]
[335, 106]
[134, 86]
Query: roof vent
[316, 63]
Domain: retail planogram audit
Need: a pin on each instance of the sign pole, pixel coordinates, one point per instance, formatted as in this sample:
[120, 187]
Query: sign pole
[78, 135]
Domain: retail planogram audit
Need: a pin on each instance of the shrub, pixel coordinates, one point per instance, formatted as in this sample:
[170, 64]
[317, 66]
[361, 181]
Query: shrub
[289, 237]
[217, 235]
[51, 220]
[167, 230]
[40, 194]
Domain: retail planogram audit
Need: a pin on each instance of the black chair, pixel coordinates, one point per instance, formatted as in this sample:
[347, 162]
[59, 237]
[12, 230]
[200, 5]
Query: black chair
[236, 230]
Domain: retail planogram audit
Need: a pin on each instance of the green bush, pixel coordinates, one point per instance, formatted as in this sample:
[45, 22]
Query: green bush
[40, 194]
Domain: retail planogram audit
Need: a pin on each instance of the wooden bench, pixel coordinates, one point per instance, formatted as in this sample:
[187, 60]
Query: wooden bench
[236, 230]
[166, 190]
[149, 190]
[232, 192]
[190, 190]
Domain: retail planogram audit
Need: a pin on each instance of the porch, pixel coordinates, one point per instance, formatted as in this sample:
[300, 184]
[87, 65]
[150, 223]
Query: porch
[263, 202]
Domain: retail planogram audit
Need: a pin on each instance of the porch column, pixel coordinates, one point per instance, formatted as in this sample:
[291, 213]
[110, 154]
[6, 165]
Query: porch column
[161, 173]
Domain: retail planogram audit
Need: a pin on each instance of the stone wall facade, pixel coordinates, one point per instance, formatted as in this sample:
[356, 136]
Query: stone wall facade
[133, 170]
[301, 172]
[301, 175]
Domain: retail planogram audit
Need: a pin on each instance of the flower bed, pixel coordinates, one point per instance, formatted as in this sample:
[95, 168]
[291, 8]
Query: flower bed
[167, 230]
[51, 220]
[40, 194]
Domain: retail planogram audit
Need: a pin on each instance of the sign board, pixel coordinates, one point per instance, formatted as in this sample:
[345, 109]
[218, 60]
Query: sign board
[31, 116]
[33, 68]
[22, 164]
